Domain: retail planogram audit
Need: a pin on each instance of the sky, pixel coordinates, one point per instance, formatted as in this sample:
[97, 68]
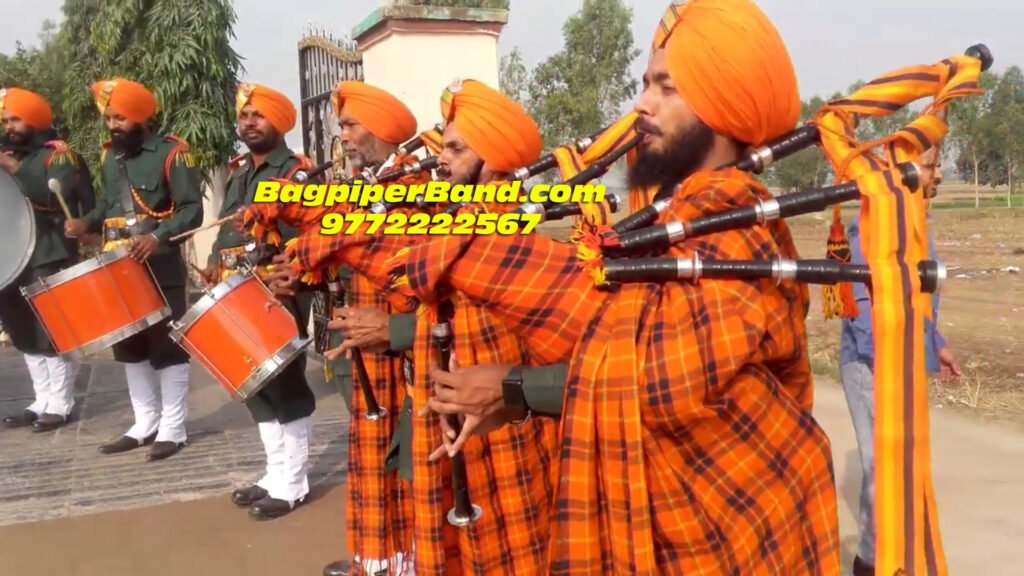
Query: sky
[832, 43]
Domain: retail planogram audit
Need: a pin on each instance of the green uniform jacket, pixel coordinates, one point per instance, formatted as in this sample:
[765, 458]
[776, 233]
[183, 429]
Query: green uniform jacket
[48, 158]
[288, 396]
[241, 190]
[162, 174]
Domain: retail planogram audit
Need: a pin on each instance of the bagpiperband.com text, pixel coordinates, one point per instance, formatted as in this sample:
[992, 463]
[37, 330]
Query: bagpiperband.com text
[365, 195]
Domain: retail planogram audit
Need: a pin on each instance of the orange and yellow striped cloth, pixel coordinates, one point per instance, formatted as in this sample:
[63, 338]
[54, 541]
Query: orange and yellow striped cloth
[894, 239]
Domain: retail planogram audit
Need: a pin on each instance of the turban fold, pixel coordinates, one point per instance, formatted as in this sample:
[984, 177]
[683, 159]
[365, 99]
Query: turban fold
[125, 97]
[273, 105]
[494, 126]
[731, 66]
[376, 110]
[32, 108]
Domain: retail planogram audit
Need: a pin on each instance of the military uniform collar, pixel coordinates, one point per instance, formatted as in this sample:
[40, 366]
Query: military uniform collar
[41, 137]
[152, 143]
[277, 157]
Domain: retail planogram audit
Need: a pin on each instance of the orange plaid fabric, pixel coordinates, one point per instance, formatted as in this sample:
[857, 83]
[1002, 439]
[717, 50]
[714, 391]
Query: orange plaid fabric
[378, 504]
[894, 240]
[378, 507]
[509, 471]
[680, 449]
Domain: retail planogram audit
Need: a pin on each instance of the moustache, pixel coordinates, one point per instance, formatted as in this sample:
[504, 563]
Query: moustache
[644, 127]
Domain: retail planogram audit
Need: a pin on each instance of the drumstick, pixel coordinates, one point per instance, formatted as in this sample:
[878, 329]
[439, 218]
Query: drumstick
[54, 186]
[201, 228]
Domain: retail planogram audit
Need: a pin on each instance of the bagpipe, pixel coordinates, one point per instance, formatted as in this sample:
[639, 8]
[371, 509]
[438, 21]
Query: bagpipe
[637, 233]
[881, 174]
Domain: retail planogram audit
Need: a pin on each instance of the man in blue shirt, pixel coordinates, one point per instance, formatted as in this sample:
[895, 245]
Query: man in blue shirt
[856, 363]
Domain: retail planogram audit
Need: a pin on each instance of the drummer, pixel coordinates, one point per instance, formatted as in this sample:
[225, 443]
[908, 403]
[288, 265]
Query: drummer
[283, 409]
[151, 191]
[34, 155]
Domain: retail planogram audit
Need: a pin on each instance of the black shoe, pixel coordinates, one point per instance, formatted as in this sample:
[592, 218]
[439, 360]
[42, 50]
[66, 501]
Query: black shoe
[248, 496]
[862, 568]
[161, 450]
[268, 508]
[26, 418]
[48, 422]
[124, 444]
[339, 568]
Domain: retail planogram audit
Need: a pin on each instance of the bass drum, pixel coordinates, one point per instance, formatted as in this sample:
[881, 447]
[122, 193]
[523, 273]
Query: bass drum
[18, 223]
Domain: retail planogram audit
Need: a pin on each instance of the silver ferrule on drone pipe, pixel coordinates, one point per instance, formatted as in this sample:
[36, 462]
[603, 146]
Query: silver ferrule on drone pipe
[783, 269]
[767, 210]
[532, 208]
[643, 217]
[568, 209]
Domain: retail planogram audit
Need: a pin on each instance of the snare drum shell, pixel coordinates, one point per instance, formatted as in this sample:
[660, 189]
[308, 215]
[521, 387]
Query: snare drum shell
[240, 335]
[97, 302]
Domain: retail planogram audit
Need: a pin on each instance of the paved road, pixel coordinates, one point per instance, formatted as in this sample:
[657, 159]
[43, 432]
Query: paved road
[53, 475]
[979, 475]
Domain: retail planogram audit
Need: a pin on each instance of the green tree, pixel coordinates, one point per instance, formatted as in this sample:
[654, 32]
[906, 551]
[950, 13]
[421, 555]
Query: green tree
[581, 89]
[180, 49]
[513, 77]
[1004, 125]
[39, 70]
[967, 133]
[807, 168]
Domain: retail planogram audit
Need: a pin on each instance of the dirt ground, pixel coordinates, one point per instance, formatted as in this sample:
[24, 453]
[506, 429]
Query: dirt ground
[981, 310]
[208, 537]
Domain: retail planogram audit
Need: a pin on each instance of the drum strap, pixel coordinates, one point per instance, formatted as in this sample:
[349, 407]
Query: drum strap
[125, 192]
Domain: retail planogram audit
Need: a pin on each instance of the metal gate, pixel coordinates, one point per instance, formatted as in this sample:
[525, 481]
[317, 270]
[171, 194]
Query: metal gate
[323, 62]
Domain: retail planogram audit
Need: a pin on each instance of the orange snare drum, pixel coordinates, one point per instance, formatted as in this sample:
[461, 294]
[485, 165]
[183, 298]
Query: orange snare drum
[240, 335]
[97, 303]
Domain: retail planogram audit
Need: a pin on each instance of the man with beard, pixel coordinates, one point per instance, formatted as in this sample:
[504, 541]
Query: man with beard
[34, 155]
[486, 137]
[151, 191]
[283, 409]
[687, 441]
[377, 507]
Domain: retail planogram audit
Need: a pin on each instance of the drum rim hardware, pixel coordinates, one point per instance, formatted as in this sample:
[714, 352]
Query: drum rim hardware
[261, 374]
[72, 272]
[30, 226]
[66, 275]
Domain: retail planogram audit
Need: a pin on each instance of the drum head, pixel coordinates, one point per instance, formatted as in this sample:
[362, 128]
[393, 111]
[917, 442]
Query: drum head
[17, 230]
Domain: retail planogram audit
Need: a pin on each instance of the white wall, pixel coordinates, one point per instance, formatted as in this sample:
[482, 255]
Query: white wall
[417, 66]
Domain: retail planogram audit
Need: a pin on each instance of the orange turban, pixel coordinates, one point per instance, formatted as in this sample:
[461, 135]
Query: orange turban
[731, 66]
[379, 112]
[494, 126]
[274, 106]
[32, 108]
[129, 99]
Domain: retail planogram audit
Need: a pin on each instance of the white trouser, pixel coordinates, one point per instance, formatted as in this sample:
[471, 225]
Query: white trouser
[159, 400]
[287, 448]
[401, 564]
[53, 380]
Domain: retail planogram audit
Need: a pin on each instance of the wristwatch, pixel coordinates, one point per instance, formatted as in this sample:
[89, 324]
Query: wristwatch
[515, 399]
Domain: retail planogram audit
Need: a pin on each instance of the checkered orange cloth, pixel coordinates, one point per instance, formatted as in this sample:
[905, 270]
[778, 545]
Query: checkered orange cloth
[687, 444]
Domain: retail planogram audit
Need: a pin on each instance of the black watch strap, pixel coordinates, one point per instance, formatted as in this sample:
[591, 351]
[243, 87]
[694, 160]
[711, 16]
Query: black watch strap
[514, 396]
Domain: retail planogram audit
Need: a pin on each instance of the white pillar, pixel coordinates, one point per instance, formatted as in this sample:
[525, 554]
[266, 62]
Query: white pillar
[414, 52]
